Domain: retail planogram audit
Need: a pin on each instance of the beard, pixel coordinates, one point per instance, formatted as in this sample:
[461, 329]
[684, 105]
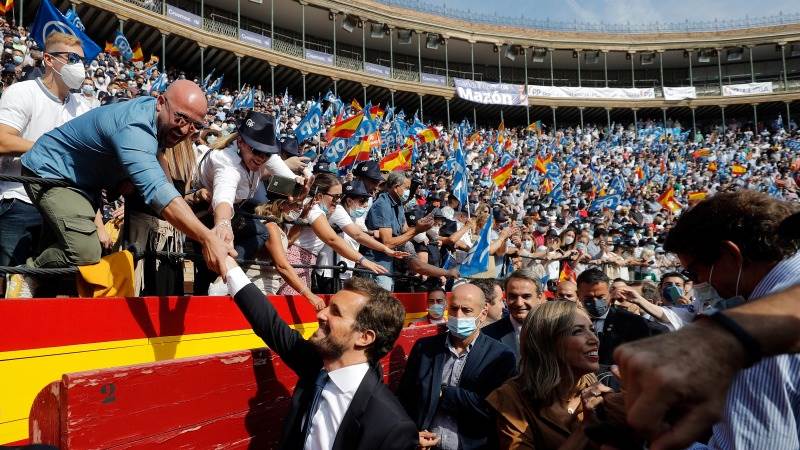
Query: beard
[327, 347]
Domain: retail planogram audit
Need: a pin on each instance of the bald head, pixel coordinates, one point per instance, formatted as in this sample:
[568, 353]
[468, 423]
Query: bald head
[470, 293]
[181, 112]
[567, 290]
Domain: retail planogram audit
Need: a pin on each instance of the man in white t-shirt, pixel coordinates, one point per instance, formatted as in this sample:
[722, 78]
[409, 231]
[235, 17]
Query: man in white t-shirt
[28, 109]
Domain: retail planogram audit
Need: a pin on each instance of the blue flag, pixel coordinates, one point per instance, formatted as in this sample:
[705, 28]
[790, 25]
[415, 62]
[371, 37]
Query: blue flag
[49, 19]
[124, 47]
[160, 84]
[477, 260]
[216, 85]
[336, 150]
[310, 125]
[72, 17]
[207, 79]
[606, 201]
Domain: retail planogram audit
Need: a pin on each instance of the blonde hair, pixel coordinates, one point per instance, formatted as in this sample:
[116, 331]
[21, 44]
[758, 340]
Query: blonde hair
[224, 142]
[273, 210]
[543, 370]
[56, 38]
[181, 162]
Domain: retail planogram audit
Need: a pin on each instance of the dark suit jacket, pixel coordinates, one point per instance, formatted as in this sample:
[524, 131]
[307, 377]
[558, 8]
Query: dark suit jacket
[374, 420]
[622, 326]
[489, 364]
[503, 331]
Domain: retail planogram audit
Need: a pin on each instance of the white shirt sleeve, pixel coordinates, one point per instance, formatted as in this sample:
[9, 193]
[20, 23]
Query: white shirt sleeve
[340, 218]
[277, 166]
[236, 280]
[226, 178]
[15, 107]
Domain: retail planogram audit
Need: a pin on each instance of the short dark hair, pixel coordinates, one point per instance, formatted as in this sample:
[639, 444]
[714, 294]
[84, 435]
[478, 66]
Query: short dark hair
[671, 275]
[382, 314]
[747, 218]
[592, 276]
[487, 286]
[524, 274]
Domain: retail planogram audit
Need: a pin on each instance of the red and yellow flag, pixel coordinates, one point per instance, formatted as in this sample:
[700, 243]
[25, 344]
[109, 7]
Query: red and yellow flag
[667, 200]
[344, 128]
[712, 166]
[702, 153]
[356, 105]
[536, 127]
[376, 111]
[397, 160]
[138, 55]
[507, 144]
[738, 169]
[547, 184]
[541, 163]
[503, 174]
[696, 196]
[359, 152]
[567, 273]
[111, 49]
[6, 6]
[429, 134]
[639, 173]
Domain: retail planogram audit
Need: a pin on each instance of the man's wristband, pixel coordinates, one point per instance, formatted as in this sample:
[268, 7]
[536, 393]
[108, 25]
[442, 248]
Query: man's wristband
[225, 223]
[752, 348]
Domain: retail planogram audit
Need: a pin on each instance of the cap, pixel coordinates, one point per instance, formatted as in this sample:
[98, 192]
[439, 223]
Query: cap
[289, 145]
[368, 169]
[324, 166]
[258, 131]
[355, 188]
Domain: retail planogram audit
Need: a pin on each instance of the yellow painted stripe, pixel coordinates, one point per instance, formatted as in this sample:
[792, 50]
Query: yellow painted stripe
[24, 373]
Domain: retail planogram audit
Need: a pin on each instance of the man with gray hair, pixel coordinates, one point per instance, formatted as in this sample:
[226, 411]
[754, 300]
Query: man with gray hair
[387, 217]
[523, 293]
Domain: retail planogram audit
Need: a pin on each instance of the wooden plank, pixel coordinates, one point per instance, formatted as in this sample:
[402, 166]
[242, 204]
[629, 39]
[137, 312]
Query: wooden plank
[220, 400]
[44, 424]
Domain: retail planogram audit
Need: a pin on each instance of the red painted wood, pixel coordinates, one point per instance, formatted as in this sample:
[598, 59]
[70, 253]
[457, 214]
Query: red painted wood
[218, 400]
[44, 421]
[78, 321]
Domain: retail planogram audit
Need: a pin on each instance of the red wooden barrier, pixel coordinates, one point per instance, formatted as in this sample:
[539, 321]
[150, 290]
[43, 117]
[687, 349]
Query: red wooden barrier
[233, 400]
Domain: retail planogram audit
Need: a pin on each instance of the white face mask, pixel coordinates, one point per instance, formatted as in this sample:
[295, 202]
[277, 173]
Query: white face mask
[73, 75]
[569, 240]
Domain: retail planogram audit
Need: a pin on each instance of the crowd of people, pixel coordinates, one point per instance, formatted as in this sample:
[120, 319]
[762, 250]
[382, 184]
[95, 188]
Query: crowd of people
[587, 242]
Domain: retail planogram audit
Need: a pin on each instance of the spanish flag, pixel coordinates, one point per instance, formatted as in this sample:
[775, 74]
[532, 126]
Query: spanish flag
[507, 144]
[138, 55]
[397, 160]
[639, 173]
[667, 200]
[501, 128]
[712, 166]
[475, 137]
[547, 184]
[536, 127]
[697, 196]
[359, 152]
[541, 164]
[503, 174]
[356, 105]
[429, 134]
[376, 111]
[111, 49]
[344, 128]
[567, 273]
[6, 6]
[490, 150]
[702, 153]
[738, 169]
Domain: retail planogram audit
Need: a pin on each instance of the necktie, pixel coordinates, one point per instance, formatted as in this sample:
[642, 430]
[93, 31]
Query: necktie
[319, 384]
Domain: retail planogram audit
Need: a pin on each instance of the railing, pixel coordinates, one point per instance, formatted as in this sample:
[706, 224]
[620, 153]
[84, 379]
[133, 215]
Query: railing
[292, 45]
[595, 27]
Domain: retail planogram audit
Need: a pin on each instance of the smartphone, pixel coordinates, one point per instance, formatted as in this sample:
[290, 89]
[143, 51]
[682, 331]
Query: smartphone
[287, 187]
[310, 154]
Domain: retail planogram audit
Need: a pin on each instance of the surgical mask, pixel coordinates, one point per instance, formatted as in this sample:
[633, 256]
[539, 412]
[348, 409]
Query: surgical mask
[358, 212]
[569, 240]
[18, 60]
[671, 293]
[323, 208]
[596, 306]
[405, 196]
[527, 245]
[73, 75]
[436, 310]
[462, 327]
[707, 293]
[87, 89]
[101, 79]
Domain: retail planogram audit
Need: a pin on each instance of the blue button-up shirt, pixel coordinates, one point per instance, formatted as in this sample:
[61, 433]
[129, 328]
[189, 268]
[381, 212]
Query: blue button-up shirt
[103, 147]
[386, 212]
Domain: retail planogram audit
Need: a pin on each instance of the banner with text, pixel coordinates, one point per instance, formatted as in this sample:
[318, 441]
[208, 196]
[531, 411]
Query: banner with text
[679, 93]
[377, 69]
[320, 57]
[747, 89]
[592, 92]
[491, 93]
[431, 78]
[183, 16]
[255, 39]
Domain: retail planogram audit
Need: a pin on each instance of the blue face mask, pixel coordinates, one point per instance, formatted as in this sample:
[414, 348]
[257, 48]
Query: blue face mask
[358, 212]
[462, 327]
[671, 293]
[324, 209]
[436, 310]
[596, 306]
[404, 197]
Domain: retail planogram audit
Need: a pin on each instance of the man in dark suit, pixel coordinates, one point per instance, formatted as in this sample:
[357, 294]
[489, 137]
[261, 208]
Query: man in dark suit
[614, 326]
[339, 401]
[448, 377]
[523, 292]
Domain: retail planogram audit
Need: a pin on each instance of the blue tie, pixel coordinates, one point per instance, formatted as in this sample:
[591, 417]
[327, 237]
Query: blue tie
[319, 384]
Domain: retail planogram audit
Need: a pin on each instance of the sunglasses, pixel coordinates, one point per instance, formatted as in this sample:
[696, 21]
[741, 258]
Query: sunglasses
[183, 119]
[334, 197]
[72, 57]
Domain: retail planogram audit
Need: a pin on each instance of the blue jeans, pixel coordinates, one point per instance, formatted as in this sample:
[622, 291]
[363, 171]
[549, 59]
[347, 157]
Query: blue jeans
[19, 225]
[383, 281]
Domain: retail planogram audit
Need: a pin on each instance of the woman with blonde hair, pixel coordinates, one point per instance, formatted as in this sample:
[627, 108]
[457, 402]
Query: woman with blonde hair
[554, 396]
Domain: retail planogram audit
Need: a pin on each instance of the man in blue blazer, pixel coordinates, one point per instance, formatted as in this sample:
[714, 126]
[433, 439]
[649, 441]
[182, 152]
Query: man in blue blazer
[448, 376]
[523, 293]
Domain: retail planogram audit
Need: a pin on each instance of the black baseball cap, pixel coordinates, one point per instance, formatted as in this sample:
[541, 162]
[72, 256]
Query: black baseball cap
[258, 131]
[355, 188]
[368, 169]
[289, 145]
[324, 166]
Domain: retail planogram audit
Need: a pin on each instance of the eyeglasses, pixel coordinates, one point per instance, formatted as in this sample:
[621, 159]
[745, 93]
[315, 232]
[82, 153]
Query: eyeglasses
[183, 119]
[334, 197]
[72, 57]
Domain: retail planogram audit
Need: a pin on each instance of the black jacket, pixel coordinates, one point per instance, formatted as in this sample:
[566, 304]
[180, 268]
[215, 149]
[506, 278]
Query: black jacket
[374, 420]
[489, 364]
[620, 327]
[503, 331]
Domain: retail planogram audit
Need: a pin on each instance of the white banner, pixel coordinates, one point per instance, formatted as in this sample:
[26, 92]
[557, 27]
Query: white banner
[747, 89]
[431, 78]
[679, 93]
[377, 69]
[592, 92]
[320, 57]
[491, 93]
[255, 39]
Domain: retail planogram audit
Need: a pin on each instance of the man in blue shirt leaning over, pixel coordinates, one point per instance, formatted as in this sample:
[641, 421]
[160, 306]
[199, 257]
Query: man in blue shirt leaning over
[116, 147]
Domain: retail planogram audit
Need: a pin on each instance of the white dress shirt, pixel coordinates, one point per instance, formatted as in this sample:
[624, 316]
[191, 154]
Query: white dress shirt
[336, 397]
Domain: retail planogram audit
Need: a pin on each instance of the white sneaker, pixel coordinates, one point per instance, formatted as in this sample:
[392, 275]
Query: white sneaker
[218, 287]
[20, 286]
